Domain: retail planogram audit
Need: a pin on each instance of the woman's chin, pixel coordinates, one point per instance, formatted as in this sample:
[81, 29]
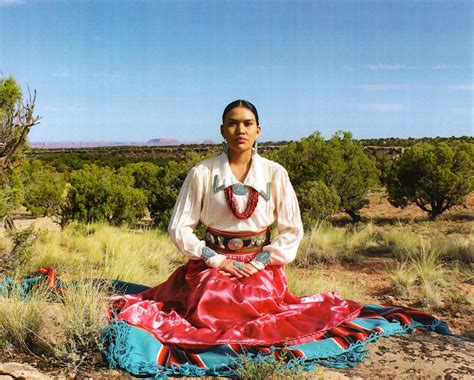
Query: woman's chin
[240, 148]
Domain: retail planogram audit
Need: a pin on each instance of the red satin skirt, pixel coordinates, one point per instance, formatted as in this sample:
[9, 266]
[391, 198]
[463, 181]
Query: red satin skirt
[199, 307]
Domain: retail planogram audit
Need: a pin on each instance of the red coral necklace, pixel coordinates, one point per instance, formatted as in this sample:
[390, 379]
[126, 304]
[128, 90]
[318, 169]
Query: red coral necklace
[249, 208]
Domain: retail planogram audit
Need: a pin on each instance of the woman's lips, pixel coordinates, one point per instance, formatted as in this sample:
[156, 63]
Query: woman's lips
[241, 140]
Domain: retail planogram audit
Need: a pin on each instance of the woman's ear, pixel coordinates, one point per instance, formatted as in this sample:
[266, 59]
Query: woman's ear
[259, 129]
[222, 131]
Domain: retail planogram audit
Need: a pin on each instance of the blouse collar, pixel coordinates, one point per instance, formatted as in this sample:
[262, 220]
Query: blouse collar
[256, 176]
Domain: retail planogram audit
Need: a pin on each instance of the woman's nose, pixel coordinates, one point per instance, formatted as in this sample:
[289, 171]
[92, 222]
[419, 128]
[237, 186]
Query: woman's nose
[240, 128]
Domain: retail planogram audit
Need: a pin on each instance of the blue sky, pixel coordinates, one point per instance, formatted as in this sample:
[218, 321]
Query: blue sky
[136, 70]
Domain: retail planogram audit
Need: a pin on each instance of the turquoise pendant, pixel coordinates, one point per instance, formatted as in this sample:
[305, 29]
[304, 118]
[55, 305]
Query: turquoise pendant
[239, 189]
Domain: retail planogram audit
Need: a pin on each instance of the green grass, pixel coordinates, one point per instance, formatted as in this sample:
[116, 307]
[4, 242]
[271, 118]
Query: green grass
[266, 367]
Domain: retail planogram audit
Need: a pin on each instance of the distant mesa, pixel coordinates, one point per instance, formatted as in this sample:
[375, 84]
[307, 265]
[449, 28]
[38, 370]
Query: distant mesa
[164, 142]
[96, 144]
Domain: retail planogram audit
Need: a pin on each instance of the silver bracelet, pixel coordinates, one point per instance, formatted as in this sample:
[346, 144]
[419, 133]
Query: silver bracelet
[263, 257]
[207, 253]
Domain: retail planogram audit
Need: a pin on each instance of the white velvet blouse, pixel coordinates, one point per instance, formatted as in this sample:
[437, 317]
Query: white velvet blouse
[202, 199]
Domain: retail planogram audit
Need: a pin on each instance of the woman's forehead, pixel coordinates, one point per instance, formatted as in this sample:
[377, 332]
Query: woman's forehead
[240, 113]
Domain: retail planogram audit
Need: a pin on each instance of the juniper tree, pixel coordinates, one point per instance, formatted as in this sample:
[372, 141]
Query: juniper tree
[16, 120]
[340, 163]
[435, 177]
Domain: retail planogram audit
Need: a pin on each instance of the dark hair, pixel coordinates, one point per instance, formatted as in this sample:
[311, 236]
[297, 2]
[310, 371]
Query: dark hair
[240, 103]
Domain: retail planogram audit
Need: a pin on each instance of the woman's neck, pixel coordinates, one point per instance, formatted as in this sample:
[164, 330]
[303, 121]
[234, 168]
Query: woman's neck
[239, 158]
[240, 163]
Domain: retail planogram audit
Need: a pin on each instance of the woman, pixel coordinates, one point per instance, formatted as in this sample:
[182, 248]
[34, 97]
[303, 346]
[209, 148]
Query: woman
[232, 295]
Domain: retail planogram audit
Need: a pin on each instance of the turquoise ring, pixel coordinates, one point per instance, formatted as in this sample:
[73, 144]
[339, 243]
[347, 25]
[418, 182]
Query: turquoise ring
[238, 265]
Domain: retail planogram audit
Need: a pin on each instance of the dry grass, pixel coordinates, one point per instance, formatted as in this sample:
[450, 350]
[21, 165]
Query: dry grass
[101, 251]
[63, 329]
[304, 282]
[326, 243]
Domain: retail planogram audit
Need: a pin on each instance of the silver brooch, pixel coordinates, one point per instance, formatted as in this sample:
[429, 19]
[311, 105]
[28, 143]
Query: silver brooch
[239, 189]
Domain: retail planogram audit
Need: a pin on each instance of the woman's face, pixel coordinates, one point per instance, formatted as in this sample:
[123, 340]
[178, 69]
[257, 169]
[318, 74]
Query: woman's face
[240, 129]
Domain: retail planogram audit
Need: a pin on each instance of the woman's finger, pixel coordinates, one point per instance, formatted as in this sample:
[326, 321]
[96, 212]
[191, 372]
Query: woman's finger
[240, 268]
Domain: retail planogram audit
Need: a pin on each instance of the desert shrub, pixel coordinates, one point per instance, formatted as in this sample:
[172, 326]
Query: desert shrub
[43, 189]
[340, 163]
[21, 252]
[316, 201]
[435, 177]
[351, 173]
[10, 191]
[102, 194]
[383, 162]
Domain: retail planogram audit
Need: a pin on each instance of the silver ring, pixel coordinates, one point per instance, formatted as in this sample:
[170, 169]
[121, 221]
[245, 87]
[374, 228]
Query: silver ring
[238, 265]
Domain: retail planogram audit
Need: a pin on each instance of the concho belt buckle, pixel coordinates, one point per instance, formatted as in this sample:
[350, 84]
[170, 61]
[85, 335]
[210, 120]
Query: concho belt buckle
[260, 240]
[235, 244]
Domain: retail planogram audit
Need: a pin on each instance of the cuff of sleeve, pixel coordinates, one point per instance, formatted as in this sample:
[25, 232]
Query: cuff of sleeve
[215, 260]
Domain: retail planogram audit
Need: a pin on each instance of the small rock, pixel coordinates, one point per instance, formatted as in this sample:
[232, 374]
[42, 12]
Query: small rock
[97, 358]
[21, 371]
[6, 377]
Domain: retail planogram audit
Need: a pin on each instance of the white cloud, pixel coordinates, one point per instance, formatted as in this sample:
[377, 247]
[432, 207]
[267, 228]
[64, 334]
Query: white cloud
[466, 87]
[443, 66]
[6, 3]
[462, 110]
[379, 107]
[380, 86]
[402, 66]
[396, 66]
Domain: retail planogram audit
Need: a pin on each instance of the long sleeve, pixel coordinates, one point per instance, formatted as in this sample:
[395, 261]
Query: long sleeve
[284, 246]
[186, 215]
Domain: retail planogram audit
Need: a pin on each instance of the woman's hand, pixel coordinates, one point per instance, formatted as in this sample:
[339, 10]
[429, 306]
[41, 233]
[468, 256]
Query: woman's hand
[236, 269]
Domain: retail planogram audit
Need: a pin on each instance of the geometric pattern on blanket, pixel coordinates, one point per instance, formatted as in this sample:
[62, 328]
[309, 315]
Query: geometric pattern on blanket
[138, 352]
